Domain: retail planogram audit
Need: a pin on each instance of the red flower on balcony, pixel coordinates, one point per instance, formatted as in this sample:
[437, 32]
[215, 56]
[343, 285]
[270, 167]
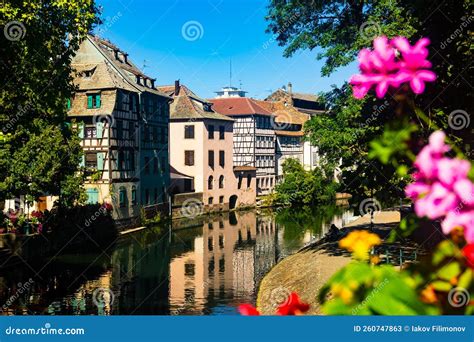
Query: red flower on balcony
[292, 306]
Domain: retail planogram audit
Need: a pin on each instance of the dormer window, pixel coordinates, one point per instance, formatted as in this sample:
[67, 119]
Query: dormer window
[139, 80]
[88, 73]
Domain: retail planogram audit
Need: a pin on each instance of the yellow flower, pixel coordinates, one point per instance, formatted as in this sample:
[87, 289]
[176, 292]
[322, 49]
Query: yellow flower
[359, 242]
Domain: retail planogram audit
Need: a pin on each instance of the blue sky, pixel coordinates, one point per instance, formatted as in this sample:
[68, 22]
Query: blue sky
[154, 34]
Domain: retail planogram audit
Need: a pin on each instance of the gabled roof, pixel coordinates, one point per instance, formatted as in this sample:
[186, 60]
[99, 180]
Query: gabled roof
[239, 106]
[187, 105]
[118, 61]
[284, 112]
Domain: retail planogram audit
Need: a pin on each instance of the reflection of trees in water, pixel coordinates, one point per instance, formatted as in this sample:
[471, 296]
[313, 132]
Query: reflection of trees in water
[297, 222]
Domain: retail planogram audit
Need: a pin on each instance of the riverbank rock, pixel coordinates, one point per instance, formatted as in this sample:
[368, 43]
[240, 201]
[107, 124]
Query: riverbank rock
[305, 273]
[309, 269]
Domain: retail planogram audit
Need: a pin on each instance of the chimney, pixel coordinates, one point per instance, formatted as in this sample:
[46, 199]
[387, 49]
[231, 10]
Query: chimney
[176, 87]
[290, 88]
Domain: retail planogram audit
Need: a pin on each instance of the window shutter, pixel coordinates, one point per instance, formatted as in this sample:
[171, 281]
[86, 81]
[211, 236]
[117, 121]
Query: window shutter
[80, 127]
[68, 103]
[89, 101]
[100, 160]
[99, 129]
[97, 101]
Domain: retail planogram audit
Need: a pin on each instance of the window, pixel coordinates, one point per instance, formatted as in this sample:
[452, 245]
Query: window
[210, 132]
[119, 129]
[221, 182]
[210, 200]
[134, 195]
[189, 132]
[222, 265]
[221, 224]
[221, 132]
[91, 160]
[249, 180]
[221, 241]
[210, 244]
[147, 165]
[131, 160]
[189, 270]
[90, 132]
[189, 158]
[122, 197]
[210, 226]
[210, 182]
[93, 101]
[211, 158]
[222, 158]
[221, 199]
[239, 184]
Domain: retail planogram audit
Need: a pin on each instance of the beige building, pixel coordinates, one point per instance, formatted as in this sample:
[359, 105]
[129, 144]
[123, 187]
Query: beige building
[201, 153]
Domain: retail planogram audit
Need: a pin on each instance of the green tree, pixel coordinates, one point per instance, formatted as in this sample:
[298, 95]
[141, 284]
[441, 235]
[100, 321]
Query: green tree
[301, 187]
[339, 29]
[39, 154]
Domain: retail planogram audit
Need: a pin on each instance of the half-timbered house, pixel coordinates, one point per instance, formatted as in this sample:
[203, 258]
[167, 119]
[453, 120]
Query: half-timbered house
[201, 153]
[254, 138]
[123, 122]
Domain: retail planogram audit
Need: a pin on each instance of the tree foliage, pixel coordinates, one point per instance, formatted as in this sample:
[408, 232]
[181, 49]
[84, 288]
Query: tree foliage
[337, 30]
[39, 154]
[301, 187]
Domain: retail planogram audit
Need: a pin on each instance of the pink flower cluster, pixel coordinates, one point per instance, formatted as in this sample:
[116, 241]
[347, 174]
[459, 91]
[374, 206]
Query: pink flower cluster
[442, 188]
[390, 64]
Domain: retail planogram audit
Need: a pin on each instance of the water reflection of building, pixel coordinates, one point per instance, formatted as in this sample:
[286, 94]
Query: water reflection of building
[226, 261]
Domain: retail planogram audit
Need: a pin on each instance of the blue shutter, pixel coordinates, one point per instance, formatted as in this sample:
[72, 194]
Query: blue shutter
[92, 196]
[99, 126]
[80, 127]
[89, 101]
[100, 160]
[97, 101]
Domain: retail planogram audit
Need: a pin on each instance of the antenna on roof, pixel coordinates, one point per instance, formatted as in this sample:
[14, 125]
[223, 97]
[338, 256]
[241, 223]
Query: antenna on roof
[240, 84]
[230, 73]
[144, 65]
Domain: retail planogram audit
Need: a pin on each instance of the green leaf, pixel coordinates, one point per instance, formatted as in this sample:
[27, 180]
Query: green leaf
[449, 271]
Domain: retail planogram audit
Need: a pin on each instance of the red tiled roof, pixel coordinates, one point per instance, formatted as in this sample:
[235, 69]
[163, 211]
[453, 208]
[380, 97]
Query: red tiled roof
[238, 106]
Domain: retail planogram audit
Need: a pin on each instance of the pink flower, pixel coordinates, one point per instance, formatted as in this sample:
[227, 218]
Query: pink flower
[452, 170]
[437, 203]
[380, 67]
[417, 189]
[465, 190]
[464, 220]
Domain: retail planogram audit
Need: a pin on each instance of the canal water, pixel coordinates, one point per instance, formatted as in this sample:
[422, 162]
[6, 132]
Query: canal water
[206, 266]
